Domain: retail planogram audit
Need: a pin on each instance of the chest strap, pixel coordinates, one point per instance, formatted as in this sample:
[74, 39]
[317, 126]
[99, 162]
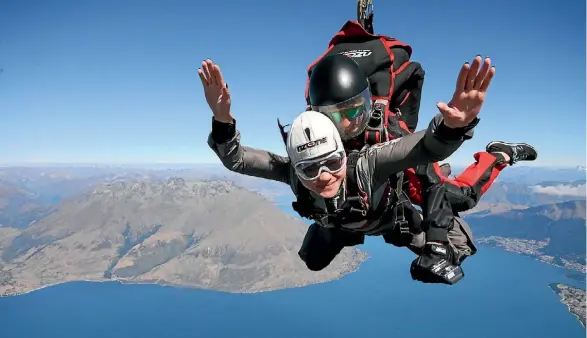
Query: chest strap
[355, 208]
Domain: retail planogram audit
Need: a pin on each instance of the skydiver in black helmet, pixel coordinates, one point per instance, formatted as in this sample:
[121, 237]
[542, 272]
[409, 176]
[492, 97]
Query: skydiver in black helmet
[339, 89]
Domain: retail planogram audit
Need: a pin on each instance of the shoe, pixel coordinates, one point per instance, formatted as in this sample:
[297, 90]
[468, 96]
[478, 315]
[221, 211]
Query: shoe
[516, 151]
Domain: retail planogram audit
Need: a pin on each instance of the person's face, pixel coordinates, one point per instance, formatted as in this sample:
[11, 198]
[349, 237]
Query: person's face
[327, 184]
[350, 120]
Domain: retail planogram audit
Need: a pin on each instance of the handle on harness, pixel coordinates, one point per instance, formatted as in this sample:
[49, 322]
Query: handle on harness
[282, 130]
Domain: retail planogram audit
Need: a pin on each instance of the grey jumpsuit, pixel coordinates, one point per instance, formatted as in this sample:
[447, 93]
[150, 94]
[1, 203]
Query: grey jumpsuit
[373, 169]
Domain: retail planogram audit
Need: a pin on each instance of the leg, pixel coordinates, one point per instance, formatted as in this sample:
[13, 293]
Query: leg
[461, 239]
[321, 245]
[465, 190]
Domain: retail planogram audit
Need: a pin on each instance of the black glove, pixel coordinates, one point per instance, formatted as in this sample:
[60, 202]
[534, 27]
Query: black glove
[437, 264]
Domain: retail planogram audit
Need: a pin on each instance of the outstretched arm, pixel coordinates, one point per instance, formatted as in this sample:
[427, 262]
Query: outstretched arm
[445, 133]
[225, 142]
[225, 138]
[431, 145]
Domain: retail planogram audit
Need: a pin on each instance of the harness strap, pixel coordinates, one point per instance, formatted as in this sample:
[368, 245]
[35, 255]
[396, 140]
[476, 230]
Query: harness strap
[376, 131]
[399, 211]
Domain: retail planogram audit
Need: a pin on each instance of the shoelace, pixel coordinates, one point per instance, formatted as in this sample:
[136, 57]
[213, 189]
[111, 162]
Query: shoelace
[518, 154]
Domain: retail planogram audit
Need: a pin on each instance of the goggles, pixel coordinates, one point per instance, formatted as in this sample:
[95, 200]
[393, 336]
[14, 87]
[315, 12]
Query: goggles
[350, 116]
[310, 170]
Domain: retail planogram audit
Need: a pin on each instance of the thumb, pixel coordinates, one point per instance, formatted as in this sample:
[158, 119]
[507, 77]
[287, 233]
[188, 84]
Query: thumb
[444, 109]
[225, 94]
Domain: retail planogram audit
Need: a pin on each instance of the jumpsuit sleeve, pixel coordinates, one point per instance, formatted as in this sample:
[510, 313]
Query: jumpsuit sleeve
[224, 140]
[436, 143]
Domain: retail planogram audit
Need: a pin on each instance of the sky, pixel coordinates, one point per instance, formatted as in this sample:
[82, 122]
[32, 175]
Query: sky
[116, 82]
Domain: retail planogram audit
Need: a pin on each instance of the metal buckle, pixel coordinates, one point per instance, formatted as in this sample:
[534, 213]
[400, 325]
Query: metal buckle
[400, 219]
[404, 228]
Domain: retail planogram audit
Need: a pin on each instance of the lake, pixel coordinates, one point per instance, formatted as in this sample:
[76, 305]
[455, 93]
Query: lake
[502, 295]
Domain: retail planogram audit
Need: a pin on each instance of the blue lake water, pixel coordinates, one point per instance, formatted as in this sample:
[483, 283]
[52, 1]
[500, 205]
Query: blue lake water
[502, 295]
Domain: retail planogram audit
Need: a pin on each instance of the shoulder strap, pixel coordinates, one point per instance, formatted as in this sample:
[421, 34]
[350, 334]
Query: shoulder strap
[354, 201]
[376, 131]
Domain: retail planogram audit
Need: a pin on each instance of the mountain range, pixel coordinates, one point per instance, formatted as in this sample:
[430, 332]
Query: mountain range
[206, 234]
[215, 229]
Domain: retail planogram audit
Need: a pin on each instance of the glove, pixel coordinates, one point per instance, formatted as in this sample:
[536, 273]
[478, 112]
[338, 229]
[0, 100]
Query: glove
[437, 264]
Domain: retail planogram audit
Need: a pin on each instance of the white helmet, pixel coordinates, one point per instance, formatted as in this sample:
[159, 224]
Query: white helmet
[314, 145]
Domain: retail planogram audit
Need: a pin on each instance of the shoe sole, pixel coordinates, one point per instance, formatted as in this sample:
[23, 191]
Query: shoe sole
[513, 144]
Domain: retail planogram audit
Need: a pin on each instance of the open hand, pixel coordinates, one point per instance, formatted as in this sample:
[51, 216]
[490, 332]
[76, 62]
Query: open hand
[216, 91]
[469, 94]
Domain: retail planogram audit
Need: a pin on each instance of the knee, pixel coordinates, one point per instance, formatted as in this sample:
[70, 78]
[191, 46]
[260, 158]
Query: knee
[314, 262]
[316, 266]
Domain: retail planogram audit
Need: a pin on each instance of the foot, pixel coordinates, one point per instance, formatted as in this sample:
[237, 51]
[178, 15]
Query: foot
[515, 151]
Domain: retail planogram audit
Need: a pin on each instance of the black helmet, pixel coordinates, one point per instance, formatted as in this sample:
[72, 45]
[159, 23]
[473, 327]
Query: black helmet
[339, 89]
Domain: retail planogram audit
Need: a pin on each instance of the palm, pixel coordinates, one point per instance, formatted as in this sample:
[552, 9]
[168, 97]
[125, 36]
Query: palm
[469, 95]
[215, 90]
[216, 100]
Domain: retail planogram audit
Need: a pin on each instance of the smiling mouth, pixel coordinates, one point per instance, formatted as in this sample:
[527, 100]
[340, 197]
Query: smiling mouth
[329, 183]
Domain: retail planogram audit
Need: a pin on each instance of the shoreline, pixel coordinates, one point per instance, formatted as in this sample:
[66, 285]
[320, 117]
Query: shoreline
[164, 283]
[483, 241]
[557, 290]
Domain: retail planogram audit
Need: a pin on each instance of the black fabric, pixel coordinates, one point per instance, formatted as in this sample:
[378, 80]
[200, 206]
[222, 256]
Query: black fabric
[462, 198]
[408, 93]
[223, 132]
[335, 79]
[394, 129]
[321, 245]
[414, 222]
[438, 214]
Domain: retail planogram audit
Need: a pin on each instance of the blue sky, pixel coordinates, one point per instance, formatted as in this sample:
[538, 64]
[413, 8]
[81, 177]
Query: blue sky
[115, 81]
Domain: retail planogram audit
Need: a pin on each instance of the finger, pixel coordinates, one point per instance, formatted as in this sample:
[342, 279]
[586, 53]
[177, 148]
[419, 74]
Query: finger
[218, 76]
[207, 67]
[212, 66]
[482, 73]
[203, 78]
[462, 78]
[487, 80]
[473, 73]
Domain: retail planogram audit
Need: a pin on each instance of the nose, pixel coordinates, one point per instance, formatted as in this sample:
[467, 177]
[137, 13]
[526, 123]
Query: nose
[324, 177]
[345, 122]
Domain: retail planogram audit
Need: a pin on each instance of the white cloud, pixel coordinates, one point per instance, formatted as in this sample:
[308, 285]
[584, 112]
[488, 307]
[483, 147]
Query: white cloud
[560, 190]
